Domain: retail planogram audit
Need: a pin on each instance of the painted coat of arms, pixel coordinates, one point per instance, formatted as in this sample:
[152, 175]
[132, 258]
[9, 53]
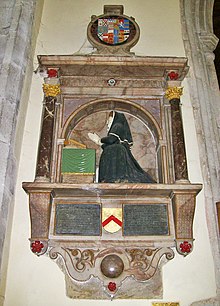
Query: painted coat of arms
[113, 30]
[112, 219]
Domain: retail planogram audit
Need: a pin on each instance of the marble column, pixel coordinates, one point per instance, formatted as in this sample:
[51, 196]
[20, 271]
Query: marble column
[43, 169]
[179, 153]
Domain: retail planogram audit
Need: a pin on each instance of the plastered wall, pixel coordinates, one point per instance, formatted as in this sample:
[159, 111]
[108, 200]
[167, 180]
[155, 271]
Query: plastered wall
[33, 281]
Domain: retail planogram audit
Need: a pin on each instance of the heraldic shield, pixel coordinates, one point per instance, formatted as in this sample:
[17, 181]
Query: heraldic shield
[111, 219]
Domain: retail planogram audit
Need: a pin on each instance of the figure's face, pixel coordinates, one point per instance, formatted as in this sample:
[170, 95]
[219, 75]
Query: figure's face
[109, 122]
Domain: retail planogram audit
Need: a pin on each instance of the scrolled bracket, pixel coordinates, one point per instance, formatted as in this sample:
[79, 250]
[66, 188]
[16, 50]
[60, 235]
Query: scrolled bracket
[139, 263]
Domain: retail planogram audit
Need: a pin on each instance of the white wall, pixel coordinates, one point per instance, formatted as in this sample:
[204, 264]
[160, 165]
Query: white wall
[34, 281]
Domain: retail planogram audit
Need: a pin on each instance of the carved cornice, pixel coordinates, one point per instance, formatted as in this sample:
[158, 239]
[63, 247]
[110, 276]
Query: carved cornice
[174, 93]
[144, 66]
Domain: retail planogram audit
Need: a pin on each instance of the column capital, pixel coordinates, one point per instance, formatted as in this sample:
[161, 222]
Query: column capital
[173, 93]
[51, 90]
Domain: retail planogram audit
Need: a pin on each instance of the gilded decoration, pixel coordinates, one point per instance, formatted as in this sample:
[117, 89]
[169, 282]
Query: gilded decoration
[51, 90]
[174, 93]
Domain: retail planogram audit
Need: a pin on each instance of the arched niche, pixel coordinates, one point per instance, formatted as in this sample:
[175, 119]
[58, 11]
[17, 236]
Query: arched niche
[108, 105]
[145, 130]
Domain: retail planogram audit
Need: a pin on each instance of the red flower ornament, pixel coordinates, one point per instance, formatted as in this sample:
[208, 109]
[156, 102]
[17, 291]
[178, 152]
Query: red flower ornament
[52, 73]
[112, 286]
[173, 75]
[37, 246]
[185, 247]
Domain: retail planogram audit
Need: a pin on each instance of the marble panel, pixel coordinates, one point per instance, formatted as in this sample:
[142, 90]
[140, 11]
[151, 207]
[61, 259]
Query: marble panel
[102, 81]
[40, 214]
[130, 289]
[97, 92]
[145, 220]
[78, 219]
[70, 105]
[153, 106]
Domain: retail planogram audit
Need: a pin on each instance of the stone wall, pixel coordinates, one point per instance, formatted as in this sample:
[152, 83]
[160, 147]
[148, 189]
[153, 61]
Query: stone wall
[17, 42]
[185, 280]
[200, 42]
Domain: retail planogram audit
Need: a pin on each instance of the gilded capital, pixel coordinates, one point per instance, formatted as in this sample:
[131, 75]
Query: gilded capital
[51, 90]
[173, 93]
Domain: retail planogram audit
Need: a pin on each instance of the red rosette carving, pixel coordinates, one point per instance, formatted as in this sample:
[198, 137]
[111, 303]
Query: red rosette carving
[112, 286]
[52, 73]
[173, 75]
[37, 246]
[185, 247]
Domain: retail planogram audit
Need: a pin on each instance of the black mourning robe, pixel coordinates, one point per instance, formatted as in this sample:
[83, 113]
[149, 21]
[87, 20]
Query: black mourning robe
[117, 164]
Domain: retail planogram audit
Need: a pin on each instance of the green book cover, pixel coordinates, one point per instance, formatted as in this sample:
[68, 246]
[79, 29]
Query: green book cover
[78, 161]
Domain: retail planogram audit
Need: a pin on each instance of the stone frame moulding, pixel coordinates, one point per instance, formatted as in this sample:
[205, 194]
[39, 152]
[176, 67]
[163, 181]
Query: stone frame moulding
[86, 259]
[200, 42]
[70, 218]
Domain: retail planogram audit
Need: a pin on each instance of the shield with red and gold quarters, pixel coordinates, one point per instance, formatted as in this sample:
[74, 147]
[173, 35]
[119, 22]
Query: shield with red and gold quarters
[113, 30]
[111, 219]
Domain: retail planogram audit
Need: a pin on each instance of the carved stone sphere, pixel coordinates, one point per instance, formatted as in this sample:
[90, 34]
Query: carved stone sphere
[112, 266]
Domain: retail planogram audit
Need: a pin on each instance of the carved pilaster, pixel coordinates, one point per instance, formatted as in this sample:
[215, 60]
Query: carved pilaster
[183, 211]
[40, 207]
[179, 153]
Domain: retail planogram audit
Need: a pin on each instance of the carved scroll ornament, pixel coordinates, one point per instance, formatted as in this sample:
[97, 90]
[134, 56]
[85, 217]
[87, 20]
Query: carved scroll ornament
[116, 264]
